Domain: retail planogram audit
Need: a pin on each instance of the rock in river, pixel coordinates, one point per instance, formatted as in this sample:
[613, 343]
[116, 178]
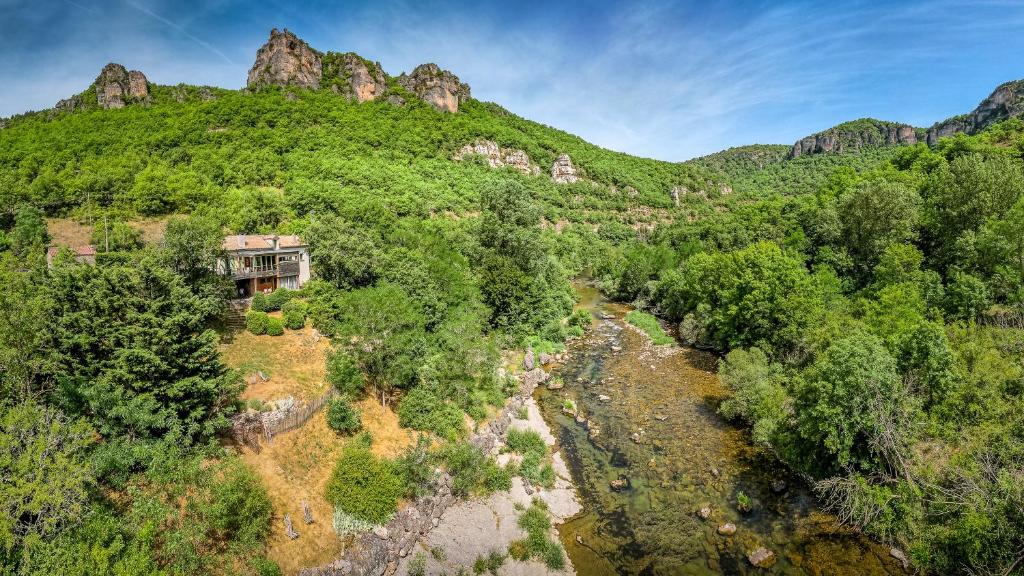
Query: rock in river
[727, 529]
[704, 513]
[761, 557]
[619, 484]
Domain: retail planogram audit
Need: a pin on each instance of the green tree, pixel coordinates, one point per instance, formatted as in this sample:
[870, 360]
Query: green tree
[386, 331]
[876, 213]
[46, 473]
[29, 233]
[191, 247]
[133, 354]
[853, 410]
[759, 395]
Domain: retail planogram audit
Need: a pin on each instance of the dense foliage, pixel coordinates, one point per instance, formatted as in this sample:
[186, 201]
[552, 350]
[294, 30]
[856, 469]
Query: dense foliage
[873, 331]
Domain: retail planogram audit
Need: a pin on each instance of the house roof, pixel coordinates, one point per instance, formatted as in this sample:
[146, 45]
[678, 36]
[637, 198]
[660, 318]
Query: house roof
[238, 242]
[87, 250]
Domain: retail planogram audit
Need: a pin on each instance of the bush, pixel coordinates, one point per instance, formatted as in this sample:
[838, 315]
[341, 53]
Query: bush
[240, 508]
[535, 465]
[473, 472]
[342, 417]
[535, 523]
[422, 409]
[275, 326]
[343, 373]
[580, 319]
[294, 314]
[257, 322]
[278, 298]
[259, 302]
[364, 486]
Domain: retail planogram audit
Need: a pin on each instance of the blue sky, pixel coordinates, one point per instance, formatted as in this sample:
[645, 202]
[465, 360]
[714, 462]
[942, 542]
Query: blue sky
[668, 80]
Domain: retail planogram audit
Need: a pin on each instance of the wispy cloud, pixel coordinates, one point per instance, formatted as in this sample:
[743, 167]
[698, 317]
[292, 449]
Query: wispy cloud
[180, 30]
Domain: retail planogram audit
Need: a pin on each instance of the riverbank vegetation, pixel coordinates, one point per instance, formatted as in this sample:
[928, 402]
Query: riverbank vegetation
[873, 339]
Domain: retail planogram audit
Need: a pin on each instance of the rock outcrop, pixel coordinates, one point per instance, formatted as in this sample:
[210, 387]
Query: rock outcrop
[562, 170]
[286, 60]
[439, 88]
[498, 157]
[115, 87]
[354, 76]
[1007, 101]
[849, 136]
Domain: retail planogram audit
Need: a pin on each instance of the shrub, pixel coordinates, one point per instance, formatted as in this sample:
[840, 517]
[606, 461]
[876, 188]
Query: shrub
[535, 465]
[364, 486]
[473, 472]
[535, 523]
[256, 322]
[342, 417]
[580, 319]
[417, 467]
[275, 326]
[240, 508]
[278, 298]
[259, 302]
[343, 373]
[422, 409]
[294, 314]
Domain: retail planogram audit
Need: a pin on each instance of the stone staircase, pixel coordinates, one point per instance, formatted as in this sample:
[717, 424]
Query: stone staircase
[234, 316]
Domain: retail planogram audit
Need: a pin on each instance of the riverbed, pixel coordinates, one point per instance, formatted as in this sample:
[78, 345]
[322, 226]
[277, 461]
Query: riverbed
[649, 452]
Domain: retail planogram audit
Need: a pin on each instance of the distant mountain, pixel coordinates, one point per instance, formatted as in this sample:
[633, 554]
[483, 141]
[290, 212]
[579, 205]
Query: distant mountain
[851, 136]
[1007, 101]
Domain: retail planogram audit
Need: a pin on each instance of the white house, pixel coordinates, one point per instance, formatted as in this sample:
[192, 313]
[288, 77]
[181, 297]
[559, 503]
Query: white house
[265, 262]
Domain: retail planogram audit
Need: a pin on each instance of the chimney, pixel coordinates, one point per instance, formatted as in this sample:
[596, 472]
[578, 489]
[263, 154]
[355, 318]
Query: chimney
[241, 240]
[273, 241]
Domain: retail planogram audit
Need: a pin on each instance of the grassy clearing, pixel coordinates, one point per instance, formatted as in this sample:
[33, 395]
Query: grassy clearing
[295, 362]
[649, 324]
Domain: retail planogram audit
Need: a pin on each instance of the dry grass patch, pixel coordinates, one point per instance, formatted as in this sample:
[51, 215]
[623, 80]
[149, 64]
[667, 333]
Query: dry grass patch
[296, 466]
[295, 362]
[71, 232]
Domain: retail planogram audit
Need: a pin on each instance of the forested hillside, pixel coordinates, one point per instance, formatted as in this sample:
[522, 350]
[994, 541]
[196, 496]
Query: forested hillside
[869, 306]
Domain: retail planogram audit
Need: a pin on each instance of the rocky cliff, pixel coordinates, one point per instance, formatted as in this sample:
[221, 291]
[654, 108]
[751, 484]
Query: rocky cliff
[115, 87]
[439, 88]
[1007, 101]
[850, 136]
[354, 76]
[498, 157]
[285, 60]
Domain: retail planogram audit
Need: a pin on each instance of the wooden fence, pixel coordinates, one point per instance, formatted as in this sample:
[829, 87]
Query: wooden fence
[297, 416]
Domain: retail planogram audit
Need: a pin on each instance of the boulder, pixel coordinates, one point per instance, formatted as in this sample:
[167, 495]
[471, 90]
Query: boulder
[286, 60]
[619, 484]
[901, 556]
[727, 529]
[439, 88]
[704, 513]
[761, 557]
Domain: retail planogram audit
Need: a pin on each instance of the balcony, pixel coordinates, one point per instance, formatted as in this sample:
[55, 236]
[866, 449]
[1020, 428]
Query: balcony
[244, 272]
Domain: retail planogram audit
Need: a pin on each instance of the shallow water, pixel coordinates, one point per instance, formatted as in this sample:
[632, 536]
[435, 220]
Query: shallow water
[687, 458]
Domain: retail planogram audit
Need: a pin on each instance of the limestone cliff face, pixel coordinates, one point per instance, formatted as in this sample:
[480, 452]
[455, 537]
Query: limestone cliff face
[498, 157]
[353, 76]
[285, 60]
[439, 88]
[1007, 101]
[849, 136]
[562, 170]
[115, 87]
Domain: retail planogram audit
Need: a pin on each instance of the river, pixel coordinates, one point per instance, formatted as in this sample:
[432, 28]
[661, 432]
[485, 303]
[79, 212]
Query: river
[662, 453]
